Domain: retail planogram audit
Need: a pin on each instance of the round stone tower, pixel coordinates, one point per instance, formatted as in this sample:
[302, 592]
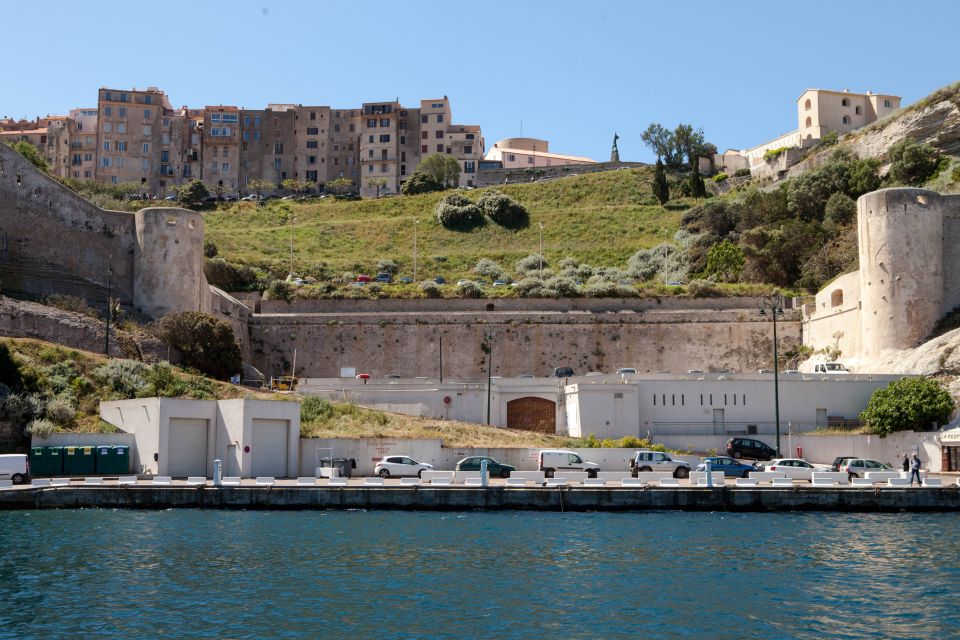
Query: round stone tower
[901, 235]
[168, 261]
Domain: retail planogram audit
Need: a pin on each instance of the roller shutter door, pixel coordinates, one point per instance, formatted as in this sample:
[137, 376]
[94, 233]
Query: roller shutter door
[187, 448]
[270, 448]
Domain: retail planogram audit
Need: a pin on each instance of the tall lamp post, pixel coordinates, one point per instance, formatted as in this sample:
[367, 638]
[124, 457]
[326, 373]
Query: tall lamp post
[774, 303]
[292, 220]
[488, 349]
[106, 346]
[540, 273]
[416, 227]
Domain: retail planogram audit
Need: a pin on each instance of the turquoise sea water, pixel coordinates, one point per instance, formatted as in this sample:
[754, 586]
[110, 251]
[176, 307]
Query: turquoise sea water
[220, 574]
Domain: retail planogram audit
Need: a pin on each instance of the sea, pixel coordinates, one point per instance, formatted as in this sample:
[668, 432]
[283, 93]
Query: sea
[400, 574]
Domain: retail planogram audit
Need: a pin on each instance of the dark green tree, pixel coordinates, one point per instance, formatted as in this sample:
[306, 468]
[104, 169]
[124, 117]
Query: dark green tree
[725, 260]
[911, 162]
[420, 182]
[907, 404]
[697, 187]
[204, 342]
[192, 194]
[31, 153]
[444, 169]
[661, 189]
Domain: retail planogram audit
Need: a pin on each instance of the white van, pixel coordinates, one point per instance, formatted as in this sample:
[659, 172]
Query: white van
[552, 460]
[14, 466]
[831, 367]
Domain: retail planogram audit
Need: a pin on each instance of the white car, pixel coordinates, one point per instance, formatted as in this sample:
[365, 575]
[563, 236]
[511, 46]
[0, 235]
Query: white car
[626, 371]
[794, 468]
[858, 467]
[398, 466]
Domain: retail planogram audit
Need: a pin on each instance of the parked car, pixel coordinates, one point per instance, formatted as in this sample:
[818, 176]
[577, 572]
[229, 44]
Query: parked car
[858, 467]
[658, 461]
[626, 371]
[831, 367]
[15, 467]
[749, 448]
[764, 370]
[399, 466]
[439, 280]
[592, 374]
[363, 278]
[730, 467]
[793, 468]
[839, 461]
[384, 278]
[562, 372]
[552, 460]
[500, 283]
[406, 280]
[462, 282]
[363, 376]
[170, 198]
[494, 468]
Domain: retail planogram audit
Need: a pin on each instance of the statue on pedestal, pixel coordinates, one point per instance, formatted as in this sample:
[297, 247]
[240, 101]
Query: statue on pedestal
[614, 152]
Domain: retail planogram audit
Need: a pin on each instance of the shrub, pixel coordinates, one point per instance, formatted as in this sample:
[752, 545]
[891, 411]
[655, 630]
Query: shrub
[192, 194]
[561, 287]
[10, 374]
[840, 210]
[912, 163]
[703, 289]
[725, 260]
[488, 269]
[229, 276]
[123, 378]
[21, 408]
[41, 428]
[830, 139]
[204, 342]
[209, 249]
[774, 153]
[387, 266]
[905, 404]
[504, 210]
[530, 288]
[533, 262]
[71, 303]
[456, 211]
[430, 289]
[720, 177]
[279, 290]
[607, 289]
[315, 408]
[469, 289]
[420, 182]
[742, 173]
[61, 410]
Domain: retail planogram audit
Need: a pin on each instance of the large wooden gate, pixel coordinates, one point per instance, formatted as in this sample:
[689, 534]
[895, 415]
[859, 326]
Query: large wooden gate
[535, 414]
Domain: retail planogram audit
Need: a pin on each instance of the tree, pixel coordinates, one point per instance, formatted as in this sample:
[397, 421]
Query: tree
[725, 260]
[259, 185]
[697, 187]
[840, 210]
[661, 142]
[504, 210]
[457, 211]
[297, 187]
[688, 142]
[377, 183]
[192, 194]
[907, 404]
[442, 168]
[912, 163]
[340, 185]
[420, 182]
[31, 153]
[661, 189]
[204, 342]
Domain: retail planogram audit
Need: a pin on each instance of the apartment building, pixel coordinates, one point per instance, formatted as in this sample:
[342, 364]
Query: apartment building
[268, 145]
[220, 149]
[134, 138]
[343, 146]
[83, 143]
[380, 131]
[309, 144]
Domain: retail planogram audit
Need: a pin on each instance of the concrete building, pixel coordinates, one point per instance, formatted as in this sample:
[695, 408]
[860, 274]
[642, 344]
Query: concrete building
[268, 148]
[909, 278]
[519, 153]
[181, 438]
[83, 143]
[384, 146]
[309, 144]
[342, 158]
[220, 149]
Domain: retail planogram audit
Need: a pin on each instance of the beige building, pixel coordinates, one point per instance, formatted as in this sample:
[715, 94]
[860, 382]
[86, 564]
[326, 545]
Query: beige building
[342, 159]
[220, 149]
[83, 143]
[382, 124]
[268, 145]
[520, 153]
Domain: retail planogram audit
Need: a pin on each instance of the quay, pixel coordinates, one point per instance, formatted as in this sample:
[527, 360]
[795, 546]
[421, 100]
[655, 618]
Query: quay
[286, 496]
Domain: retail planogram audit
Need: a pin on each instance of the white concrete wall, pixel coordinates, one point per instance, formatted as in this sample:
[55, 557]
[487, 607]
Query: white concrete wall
[141, 418]
[606, 411]
[836, 326]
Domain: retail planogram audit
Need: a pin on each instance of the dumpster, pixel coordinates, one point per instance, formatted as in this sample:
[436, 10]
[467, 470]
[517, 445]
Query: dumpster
[345, 466]
[113, 459]
[46, 461]
[79, 461]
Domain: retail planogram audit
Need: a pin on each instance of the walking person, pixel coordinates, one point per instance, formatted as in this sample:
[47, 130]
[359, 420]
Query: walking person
[915, 470]
[906, 463]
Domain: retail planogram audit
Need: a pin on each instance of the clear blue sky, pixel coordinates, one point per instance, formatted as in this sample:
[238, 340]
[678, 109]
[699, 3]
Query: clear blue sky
[573, 72]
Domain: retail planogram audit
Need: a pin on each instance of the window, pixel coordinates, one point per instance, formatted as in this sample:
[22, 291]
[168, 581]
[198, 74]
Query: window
[423, 119]
[511, 157]
[423, 149]
[107, 111]
[403, 125]
[105, 162]
[384, 122]
[439, 117]
[225, 167]
[369, 168]
[349, 160]
[87, 157]
[370, 139]
[350, 147]
[403, 169]
[107, 127]
[370, 153]
[529, 159]
[311, 159]
[147, 99]
[469, 167]
[312, 131]
[439, 148]
[846, 120]
[122, 112]
[277, 163]
[215, 131]
[246, 135]
[107, 96]
[403, 156]
[312, 176]
[809, 121]
[121, 145]
[256, 121]
[313, 115]
[449, 150]
[226, 151]
[856, 110]
[311, 144]
[403, 139]
[147, 129]
[352, 129]
[336, 160]
[385, 137]
[106, 145]
[371, 123]
[164, 138]
[146, 114]
[886, 103]
[195, 138]
[246, 121]
[423, 134]
[438, 134]
[807, 104]
[383, 168]
[468, 149]
[470, 136]
[336, 127]
[146, 147]
[145, 165]
[277, 148]
[256, 135]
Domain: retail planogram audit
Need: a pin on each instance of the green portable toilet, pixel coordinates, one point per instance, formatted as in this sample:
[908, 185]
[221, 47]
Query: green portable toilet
[79, 461]
[113, 459]
[46, 461]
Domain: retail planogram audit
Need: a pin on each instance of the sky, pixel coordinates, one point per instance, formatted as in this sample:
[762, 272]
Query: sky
[569, 72]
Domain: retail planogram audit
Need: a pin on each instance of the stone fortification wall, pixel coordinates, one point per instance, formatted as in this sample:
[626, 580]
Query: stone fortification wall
[407, 343]
[54, 241]
[493, 177]
[832, 320]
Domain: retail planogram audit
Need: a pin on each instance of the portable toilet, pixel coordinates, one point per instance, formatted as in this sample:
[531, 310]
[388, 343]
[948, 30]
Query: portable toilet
[79, 461]
[46, 461]
[113, 459]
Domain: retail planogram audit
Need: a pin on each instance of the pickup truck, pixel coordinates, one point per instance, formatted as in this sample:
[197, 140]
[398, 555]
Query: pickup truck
[658, 461]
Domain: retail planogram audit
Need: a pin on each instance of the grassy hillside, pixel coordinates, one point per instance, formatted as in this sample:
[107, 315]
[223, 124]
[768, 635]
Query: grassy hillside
[600, 219]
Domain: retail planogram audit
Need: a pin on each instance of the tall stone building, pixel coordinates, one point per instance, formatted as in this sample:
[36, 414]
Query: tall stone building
[83, 143]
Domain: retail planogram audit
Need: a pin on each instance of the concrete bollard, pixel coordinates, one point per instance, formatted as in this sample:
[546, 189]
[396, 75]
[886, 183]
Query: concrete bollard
[483, 474]
[217, 473]
[709, 473]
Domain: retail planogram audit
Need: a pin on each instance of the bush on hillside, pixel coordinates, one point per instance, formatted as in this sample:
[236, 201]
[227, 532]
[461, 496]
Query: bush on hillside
[280, 290]
[457, 211]
[917, 404]
[420, 182]
[469, 289]
[504, 210]
[204, 342]
[531, 263]
[71, 303]
[488, 269]
[60, 410]
[430, 289]
[315, 408]
[387, 266]
[703, 289]
[41, 428]
[230, 276]
[841, 209]
[192, 194]
[912, 163]
[124, 379]
[720, 177]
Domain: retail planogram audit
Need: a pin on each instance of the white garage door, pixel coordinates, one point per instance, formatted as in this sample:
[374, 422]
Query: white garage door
[187, 448]
[269, 448]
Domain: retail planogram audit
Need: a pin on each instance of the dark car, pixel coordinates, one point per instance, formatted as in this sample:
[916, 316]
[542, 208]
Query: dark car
[494, 468]
[562, 372]
[384, 278]
[749, 448]
[440, 280]
[839, 460]
[730, 467]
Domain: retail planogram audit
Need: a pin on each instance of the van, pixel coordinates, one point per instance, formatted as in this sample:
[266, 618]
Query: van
[550, 461]
[831, 367]
[14, 466]
[562, 372]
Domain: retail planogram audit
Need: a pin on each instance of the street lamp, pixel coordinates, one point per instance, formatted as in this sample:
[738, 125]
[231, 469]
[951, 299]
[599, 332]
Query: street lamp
[774, 303]
[106, 346]
[292, 220]
[416, 227]
[487, 347]
[540, 274]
